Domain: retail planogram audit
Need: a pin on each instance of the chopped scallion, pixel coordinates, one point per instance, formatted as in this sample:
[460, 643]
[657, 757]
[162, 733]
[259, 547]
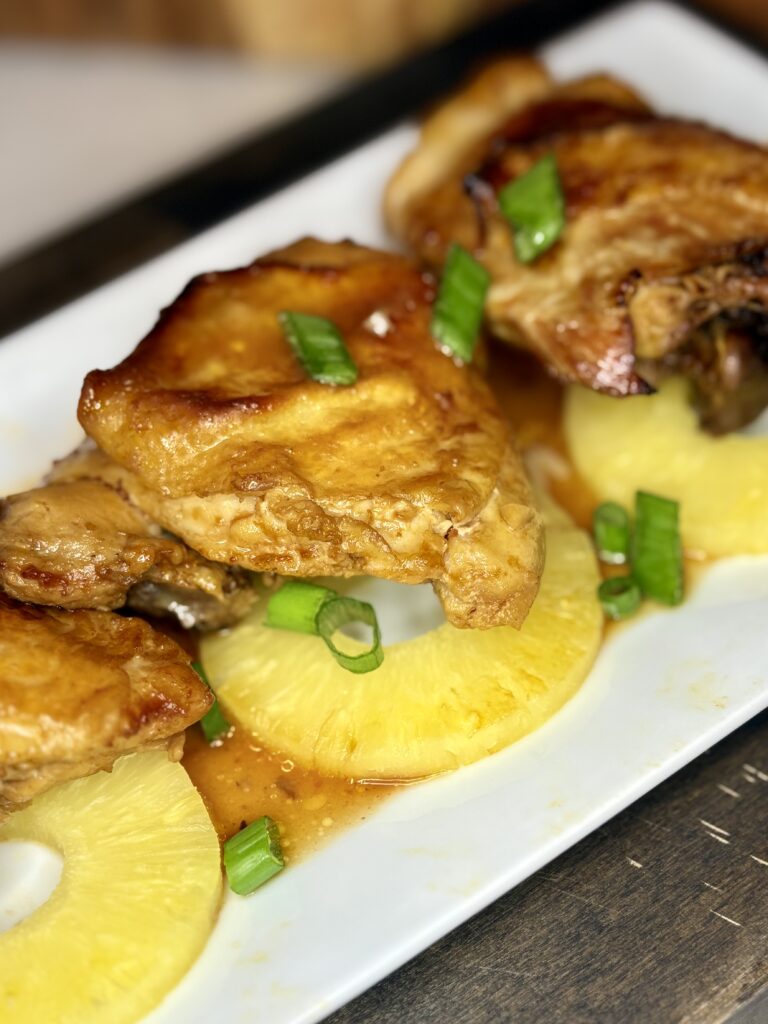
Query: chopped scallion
[620, 596]
[198, 667]
[610, 525]
[253, 856]
[658, 553]
[458, 309]
[213, 723]
[295, 606]
[534, 206]
[308, 608]
[340, 611]
[319, 347]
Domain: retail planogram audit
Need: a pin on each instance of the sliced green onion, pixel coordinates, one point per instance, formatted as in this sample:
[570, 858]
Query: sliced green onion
[295, 606]
[658, 552]
[198, 667]
[458, 309]
[610, 526]
[308, 608]
[534, 206]
[213, 723]
[253, 856]
[319, 348]
[339, 611]
[620, 596]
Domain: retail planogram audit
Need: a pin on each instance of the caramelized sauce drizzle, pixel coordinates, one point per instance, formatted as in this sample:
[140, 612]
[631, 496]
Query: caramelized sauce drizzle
[240, 780]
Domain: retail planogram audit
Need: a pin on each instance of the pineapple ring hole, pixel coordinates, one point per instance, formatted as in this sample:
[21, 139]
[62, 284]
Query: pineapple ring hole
[404, 610]
[29, 873]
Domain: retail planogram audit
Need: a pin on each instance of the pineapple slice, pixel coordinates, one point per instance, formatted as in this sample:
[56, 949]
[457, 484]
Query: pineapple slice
[138, 895]
[439, 700]
[654, 443]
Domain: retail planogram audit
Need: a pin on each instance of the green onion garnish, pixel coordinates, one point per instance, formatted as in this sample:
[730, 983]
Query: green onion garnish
[309, 608]
[610, 525]
[534, 206]
[458, 309]
[253, 856]
[295, 606]
[620, 596]
[213, 723]
[319, 348]
[340, 611]
[658, 552]
[198, 667]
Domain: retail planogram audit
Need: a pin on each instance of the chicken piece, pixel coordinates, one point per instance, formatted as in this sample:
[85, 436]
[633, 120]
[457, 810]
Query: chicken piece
[212, 427]
[663, 264]
[80, 688]
[82, 544]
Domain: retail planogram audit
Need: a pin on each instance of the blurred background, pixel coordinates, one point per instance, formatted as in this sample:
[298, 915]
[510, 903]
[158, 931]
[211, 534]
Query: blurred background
[102, 98]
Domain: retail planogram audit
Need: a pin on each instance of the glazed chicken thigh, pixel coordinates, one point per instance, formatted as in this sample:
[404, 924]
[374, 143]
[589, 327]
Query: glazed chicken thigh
[663, 263]
[82, 544]
[80, 688]
[213, 428]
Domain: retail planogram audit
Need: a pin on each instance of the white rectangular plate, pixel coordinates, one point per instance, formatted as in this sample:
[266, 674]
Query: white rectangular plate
[662, 691]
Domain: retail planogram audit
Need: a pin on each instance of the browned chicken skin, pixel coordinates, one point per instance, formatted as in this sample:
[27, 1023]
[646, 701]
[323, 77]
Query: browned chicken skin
[82, 544]
[663, 264]
[80, 688]
[212, 428]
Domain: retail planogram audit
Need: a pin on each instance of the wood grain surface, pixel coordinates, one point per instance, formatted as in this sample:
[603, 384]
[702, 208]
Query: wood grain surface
[659, 917]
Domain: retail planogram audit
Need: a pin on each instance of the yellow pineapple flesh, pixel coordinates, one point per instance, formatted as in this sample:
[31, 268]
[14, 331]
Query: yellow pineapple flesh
[138, 895]
[654, 443]
[438, 701]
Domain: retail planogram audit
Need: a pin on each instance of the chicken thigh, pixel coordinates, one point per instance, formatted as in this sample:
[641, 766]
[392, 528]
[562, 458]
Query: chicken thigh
[82, 544]
[80, 688]
[663, 262]
[214, 429]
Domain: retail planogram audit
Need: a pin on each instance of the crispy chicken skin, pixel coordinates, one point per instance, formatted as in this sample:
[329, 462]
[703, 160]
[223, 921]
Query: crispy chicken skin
[80, 688]
[82, 544]
[663, 264]
[212, 427]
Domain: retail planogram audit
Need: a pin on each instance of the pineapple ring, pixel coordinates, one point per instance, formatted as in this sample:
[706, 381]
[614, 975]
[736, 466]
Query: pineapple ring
[438, 701]
[138, 895]
[654, 443]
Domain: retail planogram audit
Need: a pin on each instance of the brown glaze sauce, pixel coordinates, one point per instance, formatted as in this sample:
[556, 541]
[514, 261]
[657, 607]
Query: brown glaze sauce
[241, 780]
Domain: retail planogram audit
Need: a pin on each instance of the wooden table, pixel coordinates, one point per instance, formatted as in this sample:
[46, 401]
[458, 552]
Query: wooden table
[660, 917]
